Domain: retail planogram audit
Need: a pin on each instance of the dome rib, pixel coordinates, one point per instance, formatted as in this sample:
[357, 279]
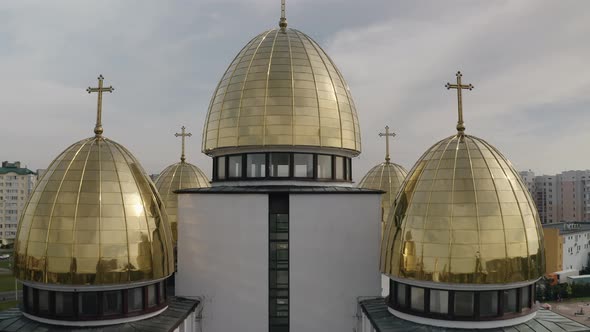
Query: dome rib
[174, 177]
[315, 84]
[463, 216]
[75, 228]
[124, 212]
[281, 90]
[57, 194]
[264, 117]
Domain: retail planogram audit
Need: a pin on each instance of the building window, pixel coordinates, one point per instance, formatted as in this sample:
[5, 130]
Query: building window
[439, 301]
[88, 304]
[135, 299]
[278, 262]
[463, 304]
[112, 302]
[64, 303]
[152, 296]
[43, 301]
[417, 298]
[303, 165]
[324, 166]
[509, 300]
[488, 304]
[401, 295]
[339, 168]
[279, 164]
[235, 166]
[525, 298]
[256, 165]
[221, 167]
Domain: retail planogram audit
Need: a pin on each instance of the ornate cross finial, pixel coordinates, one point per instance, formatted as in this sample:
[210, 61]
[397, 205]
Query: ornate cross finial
[283, 20]
[459, 87]
[98, 128]
[387, 135]
[183, 134]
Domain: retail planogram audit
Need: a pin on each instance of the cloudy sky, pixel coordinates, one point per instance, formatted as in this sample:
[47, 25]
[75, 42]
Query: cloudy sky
[528, 61]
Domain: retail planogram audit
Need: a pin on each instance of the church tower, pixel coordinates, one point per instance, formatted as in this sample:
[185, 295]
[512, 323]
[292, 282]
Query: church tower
[281, 241]
[463, 245]
[94, 246]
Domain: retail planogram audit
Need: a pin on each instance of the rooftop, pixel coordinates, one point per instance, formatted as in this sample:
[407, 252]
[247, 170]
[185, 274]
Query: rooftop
[545, 321]
[14, 168]
[177, 311]
[278, 189]
[569, 227]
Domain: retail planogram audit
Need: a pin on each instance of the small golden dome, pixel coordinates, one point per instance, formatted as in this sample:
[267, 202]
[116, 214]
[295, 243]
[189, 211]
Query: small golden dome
[463, 216]
[282, 90]
[94, 218]
[174, 177]
[387, 177]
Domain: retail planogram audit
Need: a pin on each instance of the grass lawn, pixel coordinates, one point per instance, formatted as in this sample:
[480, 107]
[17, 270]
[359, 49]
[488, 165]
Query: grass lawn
[4, 264]
[8, 305]
[7, 282]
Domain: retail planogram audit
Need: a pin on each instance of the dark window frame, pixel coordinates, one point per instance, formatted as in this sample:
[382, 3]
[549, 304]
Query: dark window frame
[346, 165]
[100, 312]
[450, 315]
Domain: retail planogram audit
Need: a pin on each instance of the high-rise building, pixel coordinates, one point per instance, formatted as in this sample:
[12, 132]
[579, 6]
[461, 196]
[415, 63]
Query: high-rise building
[16, 184]
[560, 197]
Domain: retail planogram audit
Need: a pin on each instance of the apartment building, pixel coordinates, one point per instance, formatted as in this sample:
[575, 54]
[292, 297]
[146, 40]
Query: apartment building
[16, 184]
[567, 246]
[560, 197]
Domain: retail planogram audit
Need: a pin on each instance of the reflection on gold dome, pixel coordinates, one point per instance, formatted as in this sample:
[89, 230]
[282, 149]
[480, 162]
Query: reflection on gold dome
[178, 176]
[388, 177]
[463, 216]
[94, 218]
[282, 90]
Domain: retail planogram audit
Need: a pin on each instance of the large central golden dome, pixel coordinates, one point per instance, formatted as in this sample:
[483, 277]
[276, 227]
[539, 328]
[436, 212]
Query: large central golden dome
[94, 218]
[282, 90]
[463, 216]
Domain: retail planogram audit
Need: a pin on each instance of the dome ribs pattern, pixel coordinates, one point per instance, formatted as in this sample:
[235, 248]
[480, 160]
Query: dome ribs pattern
[94, 218]
[282, 90]
[174, 177]
[387, 177]
[463, 216]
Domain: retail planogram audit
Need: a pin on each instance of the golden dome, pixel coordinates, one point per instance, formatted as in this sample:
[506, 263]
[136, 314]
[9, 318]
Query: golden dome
[463, 216]
[282, 90]
[387, 177]
[174, 177]
[94, 218]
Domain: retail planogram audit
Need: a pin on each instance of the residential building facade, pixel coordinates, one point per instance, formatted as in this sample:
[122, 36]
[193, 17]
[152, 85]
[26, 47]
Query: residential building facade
[561, 197]
[567, 246]
[16, 184]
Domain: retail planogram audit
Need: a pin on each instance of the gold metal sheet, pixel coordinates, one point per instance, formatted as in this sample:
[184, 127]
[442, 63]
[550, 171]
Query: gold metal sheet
[75, 231]
[174, 177]
[388, 177]
[478, 221]
[284, 74]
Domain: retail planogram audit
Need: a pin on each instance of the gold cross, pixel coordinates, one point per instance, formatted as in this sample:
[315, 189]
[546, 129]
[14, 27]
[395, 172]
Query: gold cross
[283, 20]
[459, 87]
[98, 128]
[387, 135]
[183, 134]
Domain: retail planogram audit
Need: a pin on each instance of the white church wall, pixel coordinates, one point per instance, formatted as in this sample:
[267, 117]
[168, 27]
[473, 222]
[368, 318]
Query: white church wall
[223, 259]
[334, 246]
